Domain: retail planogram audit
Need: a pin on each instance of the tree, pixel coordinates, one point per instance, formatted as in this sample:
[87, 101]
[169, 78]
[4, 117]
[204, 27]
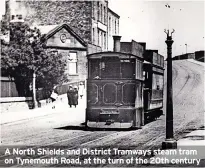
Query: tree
[26, 54]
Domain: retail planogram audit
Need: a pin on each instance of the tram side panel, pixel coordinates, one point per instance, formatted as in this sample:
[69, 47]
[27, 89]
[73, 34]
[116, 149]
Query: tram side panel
[157, 84]
[157, 91]
[139, 98]
[153, 91]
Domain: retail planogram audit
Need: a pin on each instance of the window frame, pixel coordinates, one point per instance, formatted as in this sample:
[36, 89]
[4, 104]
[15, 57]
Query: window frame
[72, 62]
[100, 68]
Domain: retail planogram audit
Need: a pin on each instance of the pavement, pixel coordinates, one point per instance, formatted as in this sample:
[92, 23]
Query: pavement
[60, 105]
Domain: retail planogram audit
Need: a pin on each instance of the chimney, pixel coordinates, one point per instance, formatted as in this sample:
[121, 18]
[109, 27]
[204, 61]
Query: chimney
[116, 43]
[12, 17]
[7, 11]
[16, 19]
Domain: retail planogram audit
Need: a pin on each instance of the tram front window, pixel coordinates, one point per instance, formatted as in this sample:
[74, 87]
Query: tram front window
[128, 68]
[111, 68]
[95, 69]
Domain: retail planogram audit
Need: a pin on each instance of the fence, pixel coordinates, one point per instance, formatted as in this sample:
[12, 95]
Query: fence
[8, 87]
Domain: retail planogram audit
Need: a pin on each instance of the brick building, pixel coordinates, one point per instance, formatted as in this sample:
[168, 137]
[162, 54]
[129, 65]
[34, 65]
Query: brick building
[93, 21]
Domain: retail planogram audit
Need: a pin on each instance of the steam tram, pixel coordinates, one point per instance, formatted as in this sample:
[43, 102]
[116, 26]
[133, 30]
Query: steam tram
[115, 88]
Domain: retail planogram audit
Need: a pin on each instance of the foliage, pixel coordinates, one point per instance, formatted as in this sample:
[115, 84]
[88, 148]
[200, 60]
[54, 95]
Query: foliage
[26, 54]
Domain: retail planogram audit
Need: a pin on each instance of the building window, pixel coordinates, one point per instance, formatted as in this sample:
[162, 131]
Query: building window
[105, 41]
[104, 14]
[101, 12]
[98, 9]
[93, 11]
[118, 26]
[109, 25]
[93, 35]
[115, 27]
[72, 63]
[98, 37]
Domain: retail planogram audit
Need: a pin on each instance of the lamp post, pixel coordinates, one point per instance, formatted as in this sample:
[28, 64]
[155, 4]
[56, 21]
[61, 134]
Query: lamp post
[169, 142]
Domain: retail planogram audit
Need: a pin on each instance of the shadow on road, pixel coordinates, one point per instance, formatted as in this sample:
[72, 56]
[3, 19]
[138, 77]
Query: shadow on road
[83, 127]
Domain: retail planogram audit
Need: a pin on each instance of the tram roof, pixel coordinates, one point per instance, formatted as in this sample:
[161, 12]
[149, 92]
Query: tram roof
[122, 55]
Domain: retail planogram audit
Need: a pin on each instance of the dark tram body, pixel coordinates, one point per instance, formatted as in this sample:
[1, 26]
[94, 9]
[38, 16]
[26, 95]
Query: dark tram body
[153, 85]
[117, 84]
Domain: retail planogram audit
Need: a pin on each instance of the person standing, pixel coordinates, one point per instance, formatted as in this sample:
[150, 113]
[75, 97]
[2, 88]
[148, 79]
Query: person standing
[81, 90]
[70, 95]
[75, 96]
[54, 96]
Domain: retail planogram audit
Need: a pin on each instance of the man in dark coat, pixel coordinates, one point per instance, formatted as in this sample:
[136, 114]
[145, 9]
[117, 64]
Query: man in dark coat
[70, 95]
[75, 96]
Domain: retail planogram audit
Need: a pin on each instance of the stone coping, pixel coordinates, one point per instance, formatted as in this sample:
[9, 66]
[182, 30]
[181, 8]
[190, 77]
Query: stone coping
[14, 99]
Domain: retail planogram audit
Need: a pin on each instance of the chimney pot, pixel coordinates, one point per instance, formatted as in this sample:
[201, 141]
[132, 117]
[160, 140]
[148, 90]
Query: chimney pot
[12, 17]
[20, 17]
[116, 43]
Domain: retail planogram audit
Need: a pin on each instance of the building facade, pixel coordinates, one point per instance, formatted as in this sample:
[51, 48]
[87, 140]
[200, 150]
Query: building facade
[93, 21]
[100, 24]
[63, 40]
[113, 27]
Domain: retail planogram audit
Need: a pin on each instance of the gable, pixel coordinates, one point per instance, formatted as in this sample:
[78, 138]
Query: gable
[64, 39]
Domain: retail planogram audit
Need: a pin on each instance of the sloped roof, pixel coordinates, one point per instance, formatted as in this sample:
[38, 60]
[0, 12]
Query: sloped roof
[45, 29]
[50, 30]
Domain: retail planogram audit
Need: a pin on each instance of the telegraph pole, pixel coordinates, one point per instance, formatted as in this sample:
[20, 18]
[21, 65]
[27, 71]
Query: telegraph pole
[170, 142]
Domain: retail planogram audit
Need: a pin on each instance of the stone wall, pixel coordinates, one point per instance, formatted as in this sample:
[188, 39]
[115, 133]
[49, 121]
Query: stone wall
[77, 14]
[14, 104]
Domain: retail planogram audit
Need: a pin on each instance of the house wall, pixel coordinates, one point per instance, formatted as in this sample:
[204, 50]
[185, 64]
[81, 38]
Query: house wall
[89, 19]
[68, 47]
[77, 14]
[81, 64]
[68, 41]
[113, 28]
[99, 23]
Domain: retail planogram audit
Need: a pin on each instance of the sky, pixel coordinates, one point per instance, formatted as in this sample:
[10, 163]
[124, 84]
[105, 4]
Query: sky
[145, 21]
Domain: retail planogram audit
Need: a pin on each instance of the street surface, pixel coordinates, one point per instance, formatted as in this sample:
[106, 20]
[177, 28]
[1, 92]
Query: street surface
[65, 128]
